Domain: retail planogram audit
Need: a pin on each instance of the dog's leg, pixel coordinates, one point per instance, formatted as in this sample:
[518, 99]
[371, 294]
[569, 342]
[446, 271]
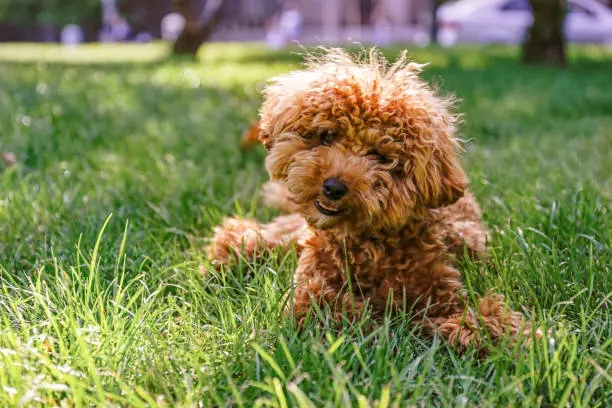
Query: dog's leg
[491, 320]
[437, 291]
[468, 239]
[247, 238]
[463, 326]
[322, 284]
[339, 304]
[462, 228]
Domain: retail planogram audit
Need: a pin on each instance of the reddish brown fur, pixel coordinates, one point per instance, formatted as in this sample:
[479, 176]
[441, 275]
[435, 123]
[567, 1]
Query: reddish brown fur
[406, 216]
[250, 137]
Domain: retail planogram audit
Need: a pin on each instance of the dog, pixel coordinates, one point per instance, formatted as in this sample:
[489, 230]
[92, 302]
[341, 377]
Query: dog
[363, 156]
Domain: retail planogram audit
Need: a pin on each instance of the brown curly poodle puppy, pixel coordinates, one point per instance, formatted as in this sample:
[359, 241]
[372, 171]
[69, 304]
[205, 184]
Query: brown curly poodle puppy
[364, 158]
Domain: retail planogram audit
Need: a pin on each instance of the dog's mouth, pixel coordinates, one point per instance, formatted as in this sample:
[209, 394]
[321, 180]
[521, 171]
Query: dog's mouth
[329, 211]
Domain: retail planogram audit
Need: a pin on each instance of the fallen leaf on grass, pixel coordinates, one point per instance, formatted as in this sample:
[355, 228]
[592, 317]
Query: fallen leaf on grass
[250, 137]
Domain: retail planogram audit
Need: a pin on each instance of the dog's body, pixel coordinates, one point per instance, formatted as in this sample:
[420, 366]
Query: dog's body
[364, 159]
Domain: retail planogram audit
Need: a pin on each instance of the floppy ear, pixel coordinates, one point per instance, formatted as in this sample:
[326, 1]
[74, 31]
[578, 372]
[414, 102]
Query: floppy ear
[433, 172]
[437, 177]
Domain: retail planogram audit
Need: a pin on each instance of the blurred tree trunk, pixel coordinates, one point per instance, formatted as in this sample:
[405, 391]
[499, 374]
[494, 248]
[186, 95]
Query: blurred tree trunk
[433, 28]
[198, 26]
[545, 40]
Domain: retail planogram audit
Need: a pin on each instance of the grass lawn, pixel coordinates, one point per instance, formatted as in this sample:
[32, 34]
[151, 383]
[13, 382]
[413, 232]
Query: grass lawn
[123, 310]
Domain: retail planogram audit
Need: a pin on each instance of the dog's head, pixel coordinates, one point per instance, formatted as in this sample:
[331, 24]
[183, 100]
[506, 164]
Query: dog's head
[360, 145]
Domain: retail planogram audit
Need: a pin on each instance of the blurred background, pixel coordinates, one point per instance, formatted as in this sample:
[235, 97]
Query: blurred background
[283, 22]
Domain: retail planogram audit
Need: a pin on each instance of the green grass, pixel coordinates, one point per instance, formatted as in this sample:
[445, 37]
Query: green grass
[99, 309]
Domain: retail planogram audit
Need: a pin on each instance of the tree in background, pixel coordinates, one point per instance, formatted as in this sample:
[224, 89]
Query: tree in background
[545, 40]
[433, 28]
[198, 26]
[145, 15]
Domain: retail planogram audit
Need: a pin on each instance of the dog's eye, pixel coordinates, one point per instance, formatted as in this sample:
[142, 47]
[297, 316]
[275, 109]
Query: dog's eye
[374, 155]
[327, 138]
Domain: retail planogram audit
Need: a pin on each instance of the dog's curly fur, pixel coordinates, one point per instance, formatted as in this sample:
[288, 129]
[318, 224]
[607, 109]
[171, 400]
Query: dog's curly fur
[393, 239]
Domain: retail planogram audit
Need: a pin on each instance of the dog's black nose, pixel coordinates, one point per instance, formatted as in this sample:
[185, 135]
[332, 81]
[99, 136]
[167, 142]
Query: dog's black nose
[334, 189]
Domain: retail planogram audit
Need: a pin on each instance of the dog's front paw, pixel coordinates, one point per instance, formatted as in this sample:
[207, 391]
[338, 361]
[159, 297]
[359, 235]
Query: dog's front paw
[234, 238]
[491, 324]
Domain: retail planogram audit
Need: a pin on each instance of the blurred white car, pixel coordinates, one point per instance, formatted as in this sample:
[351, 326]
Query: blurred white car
[507, 21]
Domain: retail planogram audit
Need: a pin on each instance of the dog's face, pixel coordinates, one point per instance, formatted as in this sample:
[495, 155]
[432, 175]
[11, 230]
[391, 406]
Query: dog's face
[359, 147]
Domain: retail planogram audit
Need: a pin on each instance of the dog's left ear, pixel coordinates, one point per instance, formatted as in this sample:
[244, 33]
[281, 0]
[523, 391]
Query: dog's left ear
[433, 172]
[436, 177]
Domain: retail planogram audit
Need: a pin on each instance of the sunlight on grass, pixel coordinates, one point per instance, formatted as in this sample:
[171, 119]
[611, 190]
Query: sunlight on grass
[83, 54]
[124, 310]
